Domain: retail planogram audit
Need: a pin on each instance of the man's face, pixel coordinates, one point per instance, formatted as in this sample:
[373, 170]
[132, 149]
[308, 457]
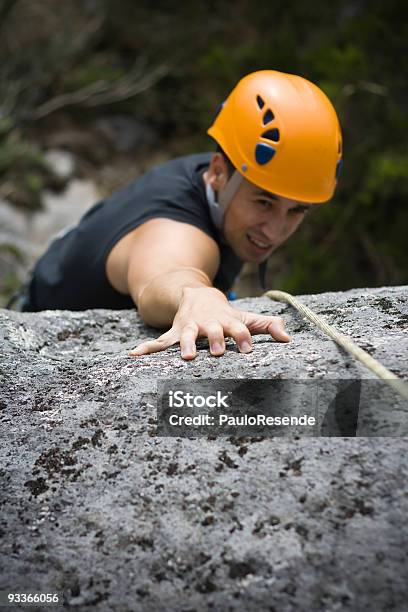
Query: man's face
[257, 222]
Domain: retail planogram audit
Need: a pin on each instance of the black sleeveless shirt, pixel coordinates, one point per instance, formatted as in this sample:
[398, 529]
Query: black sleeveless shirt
[71, 273]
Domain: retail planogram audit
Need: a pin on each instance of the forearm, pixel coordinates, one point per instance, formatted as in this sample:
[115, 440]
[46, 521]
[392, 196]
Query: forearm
[185, 301]
[159, 300]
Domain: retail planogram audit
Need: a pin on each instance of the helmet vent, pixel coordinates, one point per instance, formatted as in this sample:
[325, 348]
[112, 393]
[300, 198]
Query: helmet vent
[268, 116]
[272, 135]
[264, 153]
[261, 103]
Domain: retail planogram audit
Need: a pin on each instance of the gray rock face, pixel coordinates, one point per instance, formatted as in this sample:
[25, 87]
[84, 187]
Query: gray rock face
[95, 506]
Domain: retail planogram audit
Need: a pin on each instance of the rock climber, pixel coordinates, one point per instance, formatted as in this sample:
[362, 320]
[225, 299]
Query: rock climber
[173, 241]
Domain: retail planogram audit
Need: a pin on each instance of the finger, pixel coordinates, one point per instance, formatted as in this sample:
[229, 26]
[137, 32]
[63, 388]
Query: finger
[277, 330]
[215, 334]
[241, 335]
[188, 339]
[263, 324]
[154, 346]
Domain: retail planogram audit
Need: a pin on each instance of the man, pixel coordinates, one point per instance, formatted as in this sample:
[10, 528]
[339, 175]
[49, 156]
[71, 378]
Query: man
[174, 240]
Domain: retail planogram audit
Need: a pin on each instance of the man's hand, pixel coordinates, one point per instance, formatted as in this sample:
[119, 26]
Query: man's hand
[206, 313]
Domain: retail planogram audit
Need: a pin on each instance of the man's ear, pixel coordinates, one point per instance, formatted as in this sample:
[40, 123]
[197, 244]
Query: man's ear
[217, 172]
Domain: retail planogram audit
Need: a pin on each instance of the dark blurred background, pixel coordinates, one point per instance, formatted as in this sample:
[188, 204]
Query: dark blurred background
[119, 86]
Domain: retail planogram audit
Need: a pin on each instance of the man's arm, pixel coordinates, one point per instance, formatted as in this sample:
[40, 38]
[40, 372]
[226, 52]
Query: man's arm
[166, 257]
[168, 268]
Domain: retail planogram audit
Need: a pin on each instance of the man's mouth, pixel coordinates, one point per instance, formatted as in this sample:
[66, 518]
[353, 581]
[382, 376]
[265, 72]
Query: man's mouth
[265, 246]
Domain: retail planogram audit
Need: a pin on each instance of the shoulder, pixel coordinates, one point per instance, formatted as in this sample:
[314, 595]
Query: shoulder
[179, 174]
[187, 163]
[157, 245]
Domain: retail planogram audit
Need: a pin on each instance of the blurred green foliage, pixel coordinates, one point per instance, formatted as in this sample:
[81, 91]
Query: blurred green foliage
[357, 51]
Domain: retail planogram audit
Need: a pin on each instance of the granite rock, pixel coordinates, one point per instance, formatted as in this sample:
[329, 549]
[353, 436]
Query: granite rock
[97, 507]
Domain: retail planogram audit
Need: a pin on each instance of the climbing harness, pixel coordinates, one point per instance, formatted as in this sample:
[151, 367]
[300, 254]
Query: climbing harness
[372, 364]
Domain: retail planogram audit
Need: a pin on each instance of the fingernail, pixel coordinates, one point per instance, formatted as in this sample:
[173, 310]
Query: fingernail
[216, 347]
[187, 352]
[246, 347]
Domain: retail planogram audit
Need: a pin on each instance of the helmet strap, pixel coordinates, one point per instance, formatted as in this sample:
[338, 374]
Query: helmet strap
[215, 209]
[225, 196]
[218, 207]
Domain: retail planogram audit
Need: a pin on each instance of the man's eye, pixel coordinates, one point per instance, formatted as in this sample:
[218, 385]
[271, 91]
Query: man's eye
[300, 210]
[264, 203]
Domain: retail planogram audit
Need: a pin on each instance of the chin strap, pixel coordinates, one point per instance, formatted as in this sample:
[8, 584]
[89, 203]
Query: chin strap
[219, 208]
[215, 210]
[225, 196]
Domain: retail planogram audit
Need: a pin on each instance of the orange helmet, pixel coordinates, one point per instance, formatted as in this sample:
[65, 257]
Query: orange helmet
[281, 132]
